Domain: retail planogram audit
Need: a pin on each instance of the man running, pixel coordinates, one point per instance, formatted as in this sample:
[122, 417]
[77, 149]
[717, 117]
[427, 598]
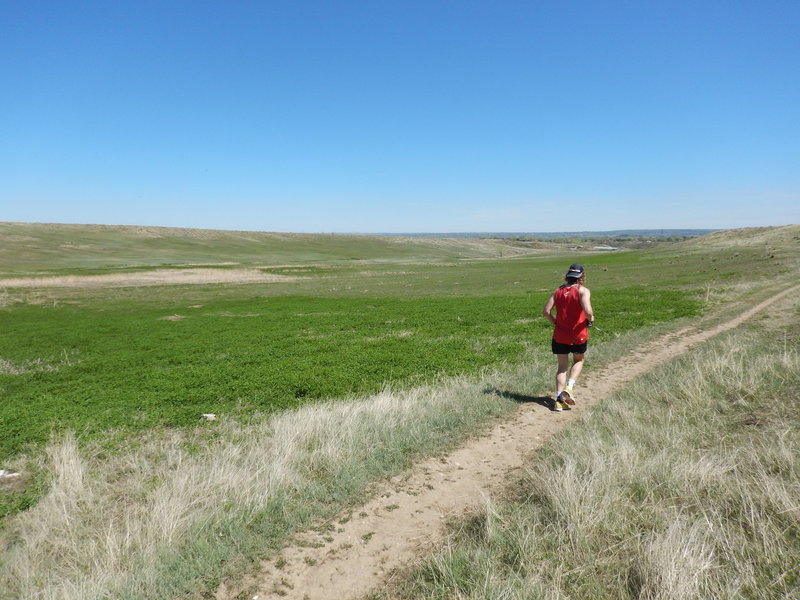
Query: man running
[572, 319]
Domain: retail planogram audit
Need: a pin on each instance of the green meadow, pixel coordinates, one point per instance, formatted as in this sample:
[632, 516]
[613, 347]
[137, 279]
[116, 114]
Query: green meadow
[123, 366]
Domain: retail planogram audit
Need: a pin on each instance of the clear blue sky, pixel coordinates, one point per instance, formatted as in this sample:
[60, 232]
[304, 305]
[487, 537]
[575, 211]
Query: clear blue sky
[390, 116]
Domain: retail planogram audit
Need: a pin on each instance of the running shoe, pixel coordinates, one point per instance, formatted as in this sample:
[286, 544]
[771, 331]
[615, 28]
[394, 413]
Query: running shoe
[568, 395]
[556, 404]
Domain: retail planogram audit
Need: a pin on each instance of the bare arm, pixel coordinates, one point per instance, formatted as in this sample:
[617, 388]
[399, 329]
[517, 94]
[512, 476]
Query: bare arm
[586, 303]
[548, 309]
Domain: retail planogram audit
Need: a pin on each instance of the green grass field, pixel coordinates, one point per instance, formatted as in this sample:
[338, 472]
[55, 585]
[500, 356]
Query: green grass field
[123, 366]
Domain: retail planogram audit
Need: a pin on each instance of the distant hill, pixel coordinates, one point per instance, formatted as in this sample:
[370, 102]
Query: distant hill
[784, 235]
[46, 246]
[615, 233]
[35, 247]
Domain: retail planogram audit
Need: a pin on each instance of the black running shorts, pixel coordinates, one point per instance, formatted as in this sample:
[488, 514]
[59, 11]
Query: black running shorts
[568, 349]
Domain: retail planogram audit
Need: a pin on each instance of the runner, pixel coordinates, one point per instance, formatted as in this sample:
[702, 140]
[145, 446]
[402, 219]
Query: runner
[572, 319]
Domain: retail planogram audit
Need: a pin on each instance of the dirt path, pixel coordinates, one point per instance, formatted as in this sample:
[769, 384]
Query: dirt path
[407, 518]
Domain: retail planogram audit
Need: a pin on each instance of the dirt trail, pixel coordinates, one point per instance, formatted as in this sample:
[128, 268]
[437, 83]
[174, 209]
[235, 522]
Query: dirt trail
[407, 518]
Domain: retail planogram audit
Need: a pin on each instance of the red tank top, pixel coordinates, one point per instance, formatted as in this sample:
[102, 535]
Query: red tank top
[572, 326]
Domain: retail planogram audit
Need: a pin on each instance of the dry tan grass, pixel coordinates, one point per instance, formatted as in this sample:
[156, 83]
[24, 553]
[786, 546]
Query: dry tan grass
[8, 300]
[783, 236]
[146, 278]
[106, 521]
[8, 367]
[400, 334]
[675, 562]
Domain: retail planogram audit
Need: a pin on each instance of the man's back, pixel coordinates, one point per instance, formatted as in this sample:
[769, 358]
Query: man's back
[571, 321]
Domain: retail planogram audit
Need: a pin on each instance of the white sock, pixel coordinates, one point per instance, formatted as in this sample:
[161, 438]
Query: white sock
[571, 382]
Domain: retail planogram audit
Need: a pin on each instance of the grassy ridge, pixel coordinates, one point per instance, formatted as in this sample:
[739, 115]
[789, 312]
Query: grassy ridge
[34, 246]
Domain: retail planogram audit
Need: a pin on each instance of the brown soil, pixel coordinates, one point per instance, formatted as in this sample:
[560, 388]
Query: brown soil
[407, 517]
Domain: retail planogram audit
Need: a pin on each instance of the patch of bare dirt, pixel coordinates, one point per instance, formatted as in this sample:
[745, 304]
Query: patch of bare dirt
[407, 518]
[145, 278]
[12, 481]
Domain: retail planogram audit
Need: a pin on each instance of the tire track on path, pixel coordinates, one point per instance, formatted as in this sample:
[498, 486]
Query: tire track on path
[407, 518]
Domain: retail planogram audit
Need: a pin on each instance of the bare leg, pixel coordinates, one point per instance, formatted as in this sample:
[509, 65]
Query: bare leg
[577, 366]
[561, 373]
